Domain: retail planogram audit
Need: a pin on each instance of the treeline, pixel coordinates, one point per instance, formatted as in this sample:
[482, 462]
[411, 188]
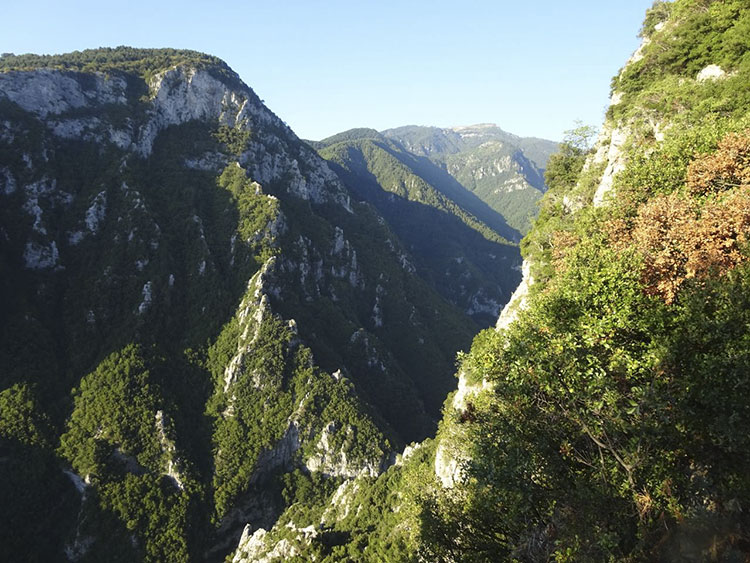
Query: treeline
[142, 62]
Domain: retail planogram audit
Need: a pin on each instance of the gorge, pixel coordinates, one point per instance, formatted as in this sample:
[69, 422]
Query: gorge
[222, 342]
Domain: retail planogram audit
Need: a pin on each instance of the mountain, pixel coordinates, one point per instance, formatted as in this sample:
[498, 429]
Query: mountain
[214, 342]
[203, 325]
[604, 418]
[466, 259]
[503, 170]
[440, 190]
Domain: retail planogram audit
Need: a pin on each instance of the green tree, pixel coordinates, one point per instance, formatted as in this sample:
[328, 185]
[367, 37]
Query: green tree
[564, 167]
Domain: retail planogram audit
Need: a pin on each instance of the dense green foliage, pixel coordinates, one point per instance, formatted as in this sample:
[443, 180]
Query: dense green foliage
[117, 437]
[564, 167]
[698, 33]
[366, 519]
[349, 135]
[279, 384]
[610, 429]
[235, 139]
[20, 418]
[612, 419]
[256, 211]
[114, 408]
[29, 474]
[569, 186]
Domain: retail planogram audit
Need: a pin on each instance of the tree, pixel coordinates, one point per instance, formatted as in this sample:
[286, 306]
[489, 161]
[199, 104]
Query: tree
[565, 165]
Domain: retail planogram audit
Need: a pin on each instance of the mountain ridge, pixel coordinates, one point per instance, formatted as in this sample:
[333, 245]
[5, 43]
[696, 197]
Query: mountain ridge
[176, 254]
[502, 169]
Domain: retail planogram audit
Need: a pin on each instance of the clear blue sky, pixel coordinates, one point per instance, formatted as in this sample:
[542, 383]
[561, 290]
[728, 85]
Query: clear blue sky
[325, 66]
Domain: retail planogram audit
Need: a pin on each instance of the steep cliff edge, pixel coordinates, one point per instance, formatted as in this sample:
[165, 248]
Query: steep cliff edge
[584, 426]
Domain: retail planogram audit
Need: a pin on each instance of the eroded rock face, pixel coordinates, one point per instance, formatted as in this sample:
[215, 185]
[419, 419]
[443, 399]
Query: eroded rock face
[183, 94]
[178, 95]
[253, 549]
[61, 225]
[45, 92]
[518, 300]
[615, 162]
[334, 461]
[74, 106]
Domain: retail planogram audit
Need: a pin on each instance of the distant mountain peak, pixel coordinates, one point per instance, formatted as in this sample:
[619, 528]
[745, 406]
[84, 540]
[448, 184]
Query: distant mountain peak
[460, 128]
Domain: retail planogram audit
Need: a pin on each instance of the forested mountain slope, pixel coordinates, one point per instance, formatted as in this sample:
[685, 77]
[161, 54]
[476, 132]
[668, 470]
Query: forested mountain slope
[200, 322]
[605, 419]
[608, 427]
[456, 239]
[504, 170]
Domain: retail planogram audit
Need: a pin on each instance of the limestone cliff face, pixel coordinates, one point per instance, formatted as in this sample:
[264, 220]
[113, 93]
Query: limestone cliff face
[47, 92]
[173, 209]
[644, 125]
[74, 106]
[449, 455]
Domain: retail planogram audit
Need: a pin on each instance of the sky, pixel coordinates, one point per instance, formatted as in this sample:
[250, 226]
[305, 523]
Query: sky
[534, 68]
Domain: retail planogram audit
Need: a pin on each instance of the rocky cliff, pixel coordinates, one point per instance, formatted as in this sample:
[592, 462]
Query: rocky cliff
[200, 320]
